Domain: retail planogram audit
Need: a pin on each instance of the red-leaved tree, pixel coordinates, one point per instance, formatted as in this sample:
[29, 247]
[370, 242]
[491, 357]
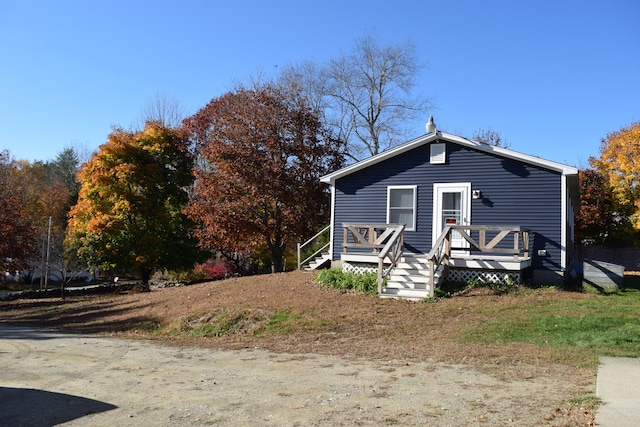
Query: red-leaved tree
[261, 153]
[601, 221]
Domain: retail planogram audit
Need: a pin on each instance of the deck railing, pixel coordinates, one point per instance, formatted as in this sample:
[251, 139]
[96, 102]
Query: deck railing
[440, 253]
[385, 240]
[367, 236]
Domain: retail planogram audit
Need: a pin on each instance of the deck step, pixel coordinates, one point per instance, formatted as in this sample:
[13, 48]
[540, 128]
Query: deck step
[319, 262]
[405, 279]
[409, 279]
[409, 294]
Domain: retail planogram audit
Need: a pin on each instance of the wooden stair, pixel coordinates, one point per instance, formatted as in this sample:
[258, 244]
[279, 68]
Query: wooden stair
[409, 279]
[320, 262]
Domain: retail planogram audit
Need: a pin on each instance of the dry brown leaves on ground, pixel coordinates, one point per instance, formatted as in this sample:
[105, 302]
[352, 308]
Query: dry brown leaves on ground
[326, 322]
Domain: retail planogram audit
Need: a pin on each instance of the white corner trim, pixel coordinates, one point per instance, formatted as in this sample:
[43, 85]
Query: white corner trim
[564, 235]
[332, 220]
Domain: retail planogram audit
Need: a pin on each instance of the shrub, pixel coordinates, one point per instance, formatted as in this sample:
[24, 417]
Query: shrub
[214, 269]
[366, 283]
[449, 288]
[498, 287]
[209, 270]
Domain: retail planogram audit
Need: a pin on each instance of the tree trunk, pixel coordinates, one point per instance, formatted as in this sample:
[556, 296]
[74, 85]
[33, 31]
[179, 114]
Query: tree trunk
[277, 253]
[145, 276]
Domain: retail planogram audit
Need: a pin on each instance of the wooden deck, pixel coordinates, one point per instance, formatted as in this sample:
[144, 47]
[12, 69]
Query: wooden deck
[486, 249]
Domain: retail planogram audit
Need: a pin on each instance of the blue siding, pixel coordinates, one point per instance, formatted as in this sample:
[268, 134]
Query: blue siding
[514, 193]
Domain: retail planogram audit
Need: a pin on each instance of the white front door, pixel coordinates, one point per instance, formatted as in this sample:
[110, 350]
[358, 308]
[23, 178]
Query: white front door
[451, 206]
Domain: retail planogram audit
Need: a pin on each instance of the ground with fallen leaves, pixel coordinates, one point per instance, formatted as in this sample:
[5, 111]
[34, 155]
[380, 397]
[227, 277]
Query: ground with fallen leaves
[321, 321]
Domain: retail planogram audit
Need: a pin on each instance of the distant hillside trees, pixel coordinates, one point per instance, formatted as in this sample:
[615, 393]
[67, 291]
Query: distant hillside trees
[18, 232]
[261, 153]
[31, 194]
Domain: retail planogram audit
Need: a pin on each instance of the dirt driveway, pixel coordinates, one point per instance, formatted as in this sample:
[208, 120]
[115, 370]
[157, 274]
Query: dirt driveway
[49, 378]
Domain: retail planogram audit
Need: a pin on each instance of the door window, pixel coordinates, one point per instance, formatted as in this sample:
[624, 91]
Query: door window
[451, 209]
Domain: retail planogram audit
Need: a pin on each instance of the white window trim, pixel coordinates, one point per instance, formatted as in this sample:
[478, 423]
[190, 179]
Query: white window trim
[415, 203]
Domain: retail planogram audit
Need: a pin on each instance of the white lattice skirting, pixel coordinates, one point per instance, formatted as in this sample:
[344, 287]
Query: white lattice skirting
[358, 267]
[455, 275]
[505, 277]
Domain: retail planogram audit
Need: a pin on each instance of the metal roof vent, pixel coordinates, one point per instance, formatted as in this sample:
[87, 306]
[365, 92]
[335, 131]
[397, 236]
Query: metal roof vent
[431, 126]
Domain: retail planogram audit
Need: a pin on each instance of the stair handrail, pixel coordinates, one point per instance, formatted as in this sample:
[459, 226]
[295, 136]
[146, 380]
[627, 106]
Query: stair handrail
[309, 241]
[393, 250]
[439, 254]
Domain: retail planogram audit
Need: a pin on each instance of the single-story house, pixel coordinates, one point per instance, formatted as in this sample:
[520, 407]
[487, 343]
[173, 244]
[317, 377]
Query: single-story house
[442, 205]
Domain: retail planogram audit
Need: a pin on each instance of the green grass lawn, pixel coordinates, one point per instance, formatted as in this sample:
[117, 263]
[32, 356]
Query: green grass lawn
[602, 324]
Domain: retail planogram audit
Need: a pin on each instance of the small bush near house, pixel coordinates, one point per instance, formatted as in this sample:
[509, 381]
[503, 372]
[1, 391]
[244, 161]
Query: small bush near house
[366, 283]
[498, 287]
[449, 288]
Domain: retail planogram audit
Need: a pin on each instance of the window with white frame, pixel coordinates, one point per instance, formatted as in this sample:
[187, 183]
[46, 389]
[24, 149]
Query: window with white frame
[401, 206]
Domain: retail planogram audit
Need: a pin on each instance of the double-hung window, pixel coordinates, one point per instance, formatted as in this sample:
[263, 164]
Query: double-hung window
[401, 206]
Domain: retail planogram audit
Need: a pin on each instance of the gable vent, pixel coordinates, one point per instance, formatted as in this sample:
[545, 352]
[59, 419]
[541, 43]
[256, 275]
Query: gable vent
[438, 153]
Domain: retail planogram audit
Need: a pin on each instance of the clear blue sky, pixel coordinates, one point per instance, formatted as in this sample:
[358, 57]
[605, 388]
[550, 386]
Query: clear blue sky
[553, 77]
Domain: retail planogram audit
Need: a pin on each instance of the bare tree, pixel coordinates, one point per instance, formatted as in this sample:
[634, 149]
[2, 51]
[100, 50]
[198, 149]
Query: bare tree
[163, 108]
[367, 95]
[491, 137]
[371, 91]
[309, 80]
[82, 150]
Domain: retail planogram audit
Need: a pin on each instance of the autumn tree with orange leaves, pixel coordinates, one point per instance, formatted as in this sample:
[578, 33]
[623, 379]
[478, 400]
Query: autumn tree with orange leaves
[619, 163]
[129, 216]
[261, 154]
